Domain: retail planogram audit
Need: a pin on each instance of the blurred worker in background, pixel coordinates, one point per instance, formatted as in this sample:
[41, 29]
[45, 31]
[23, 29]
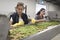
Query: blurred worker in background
[40, 15]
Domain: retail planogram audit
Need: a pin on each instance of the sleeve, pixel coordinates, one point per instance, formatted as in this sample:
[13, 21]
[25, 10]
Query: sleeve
[26, 19]
[11, 19]
[36, 17]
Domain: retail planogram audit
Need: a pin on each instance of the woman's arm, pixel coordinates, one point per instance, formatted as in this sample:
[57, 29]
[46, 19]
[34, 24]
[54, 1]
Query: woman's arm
[11, 20]
[40, 20]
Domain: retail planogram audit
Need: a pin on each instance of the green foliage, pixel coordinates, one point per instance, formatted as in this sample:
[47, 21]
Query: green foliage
[27, 30]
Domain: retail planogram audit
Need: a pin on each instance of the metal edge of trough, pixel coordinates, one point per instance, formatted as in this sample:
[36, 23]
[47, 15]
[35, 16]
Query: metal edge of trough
[46, 34]
[4, 27]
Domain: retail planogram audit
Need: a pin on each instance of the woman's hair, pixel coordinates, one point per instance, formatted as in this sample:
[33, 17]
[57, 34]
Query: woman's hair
[20, 4]
[40, 11]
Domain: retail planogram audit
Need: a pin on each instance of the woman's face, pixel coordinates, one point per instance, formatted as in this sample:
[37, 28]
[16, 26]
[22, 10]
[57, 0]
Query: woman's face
[42, 12]
[19, 9]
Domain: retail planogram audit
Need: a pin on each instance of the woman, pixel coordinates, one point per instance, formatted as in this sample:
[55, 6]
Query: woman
[18, 15]
[40, 15]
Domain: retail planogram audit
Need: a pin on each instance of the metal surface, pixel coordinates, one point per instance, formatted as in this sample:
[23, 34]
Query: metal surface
[3, 27]
[48, 34]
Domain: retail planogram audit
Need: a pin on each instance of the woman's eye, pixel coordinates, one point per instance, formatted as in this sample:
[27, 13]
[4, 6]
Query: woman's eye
[19, 9]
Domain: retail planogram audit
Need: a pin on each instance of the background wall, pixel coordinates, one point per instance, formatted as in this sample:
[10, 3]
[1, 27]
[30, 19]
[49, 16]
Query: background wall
[52, 9]
[51, 6]
[38, 7]
[7, 6]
